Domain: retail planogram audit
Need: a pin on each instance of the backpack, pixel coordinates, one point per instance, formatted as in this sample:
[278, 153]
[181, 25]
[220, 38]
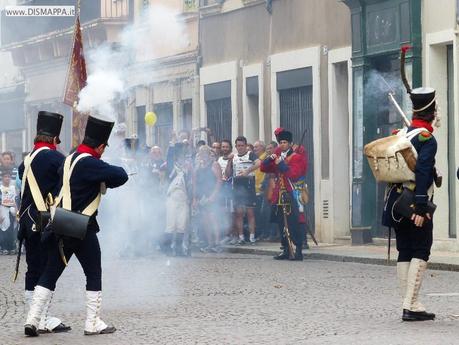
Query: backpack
[393, 159]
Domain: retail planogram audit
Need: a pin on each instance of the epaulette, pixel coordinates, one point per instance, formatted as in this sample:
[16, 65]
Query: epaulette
[424, 136]
[395, 131]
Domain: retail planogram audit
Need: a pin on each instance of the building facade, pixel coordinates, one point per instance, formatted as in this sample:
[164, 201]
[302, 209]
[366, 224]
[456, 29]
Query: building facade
[440, 70]
[284, 63]
[379, 29]
[41, 47]
[12, 131]
[171, 88]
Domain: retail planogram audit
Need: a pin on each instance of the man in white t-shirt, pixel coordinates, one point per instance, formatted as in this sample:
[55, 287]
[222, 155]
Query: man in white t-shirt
[244, 197]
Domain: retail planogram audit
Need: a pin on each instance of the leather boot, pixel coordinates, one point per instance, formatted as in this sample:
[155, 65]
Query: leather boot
[49, 324]
[298, 253]
[94, 325]
[283, 255]
[413, 310]
[41, 296]
[284, 247]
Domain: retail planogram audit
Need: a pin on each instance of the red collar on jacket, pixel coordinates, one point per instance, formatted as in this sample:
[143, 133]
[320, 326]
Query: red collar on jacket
[418, 123]
[41, 144]
[82, 148]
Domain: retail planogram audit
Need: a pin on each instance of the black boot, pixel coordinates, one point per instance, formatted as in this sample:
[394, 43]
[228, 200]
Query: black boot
[298, 253]
[166, 244]
[409, 315]
[179, 245]
[282, 256]
[31, 331]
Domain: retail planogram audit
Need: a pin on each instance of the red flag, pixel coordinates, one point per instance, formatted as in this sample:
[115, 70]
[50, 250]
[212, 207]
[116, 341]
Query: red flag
[76, 80]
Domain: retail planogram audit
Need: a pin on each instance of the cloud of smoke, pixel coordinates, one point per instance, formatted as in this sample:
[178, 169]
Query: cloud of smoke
[157, 31]
[379, 84]
[9, 73]
[132, 216]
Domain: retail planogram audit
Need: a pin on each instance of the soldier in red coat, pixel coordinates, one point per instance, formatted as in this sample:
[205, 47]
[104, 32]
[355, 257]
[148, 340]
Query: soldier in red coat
[289, 168]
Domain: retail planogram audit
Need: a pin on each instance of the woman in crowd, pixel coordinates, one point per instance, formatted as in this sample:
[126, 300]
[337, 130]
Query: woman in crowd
[206, 187]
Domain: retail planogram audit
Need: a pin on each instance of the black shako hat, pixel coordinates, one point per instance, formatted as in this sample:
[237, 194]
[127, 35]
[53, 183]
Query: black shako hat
[131, 144]
[283, 135]
[424, 103]
[49, 124]
[97, 132]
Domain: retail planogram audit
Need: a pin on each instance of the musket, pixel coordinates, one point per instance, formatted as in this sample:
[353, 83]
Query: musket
[281, 201]
[399, 109]
[21, 241]
[392, 99]
[312, 235]
[18, 260]
[291, 250]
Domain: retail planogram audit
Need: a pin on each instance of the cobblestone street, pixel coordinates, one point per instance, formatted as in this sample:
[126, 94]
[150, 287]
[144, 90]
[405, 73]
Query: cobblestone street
[239, 299]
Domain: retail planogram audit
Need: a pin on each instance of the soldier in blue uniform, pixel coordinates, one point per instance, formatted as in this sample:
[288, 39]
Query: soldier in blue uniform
[414, 234]
[88, 175]
[41, 178]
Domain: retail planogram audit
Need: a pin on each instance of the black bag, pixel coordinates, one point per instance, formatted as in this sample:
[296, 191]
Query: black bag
[405, 204]
[69, 223]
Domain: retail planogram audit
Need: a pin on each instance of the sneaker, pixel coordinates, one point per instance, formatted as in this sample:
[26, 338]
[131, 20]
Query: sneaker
[226, 240]
[5, 252]
[234, 241]
[240, 242]
[216, 249]
[205, 250]
[252, 241]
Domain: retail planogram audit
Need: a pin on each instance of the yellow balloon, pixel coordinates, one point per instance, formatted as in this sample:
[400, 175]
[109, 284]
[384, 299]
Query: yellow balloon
[150, 118]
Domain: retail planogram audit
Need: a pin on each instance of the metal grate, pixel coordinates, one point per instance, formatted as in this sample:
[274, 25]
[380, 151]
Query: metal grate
[325, 209]
[219, 118]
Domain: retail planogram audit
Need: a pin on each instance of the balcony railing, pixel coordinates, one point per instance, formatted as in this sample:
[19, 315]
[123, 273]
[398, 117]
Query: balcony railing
[19, 29]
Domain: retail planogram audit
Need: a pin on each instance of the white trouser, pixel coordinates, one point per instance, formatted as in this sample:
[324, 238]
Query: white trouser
[177, 211]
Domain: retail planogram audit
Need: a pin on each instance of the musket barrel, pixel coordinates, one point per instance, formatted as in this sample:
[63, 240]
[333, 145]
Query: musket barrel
[399, 110]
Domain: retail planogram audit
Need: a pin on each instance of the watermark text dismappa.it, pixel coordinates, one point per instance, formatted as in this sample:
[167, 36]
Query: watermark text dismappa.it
[39, 11]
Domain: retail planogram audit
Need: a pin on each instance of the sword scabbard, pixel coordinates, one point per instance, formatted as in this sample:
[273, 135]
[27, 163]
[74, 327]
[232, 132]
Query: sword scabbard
[61, 251]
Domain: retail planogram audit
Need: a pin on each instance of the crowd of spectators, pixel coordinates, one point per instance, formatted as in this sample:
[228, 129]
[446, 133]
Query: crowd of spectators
[212, 194]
